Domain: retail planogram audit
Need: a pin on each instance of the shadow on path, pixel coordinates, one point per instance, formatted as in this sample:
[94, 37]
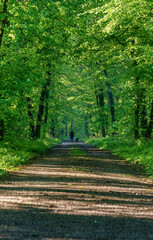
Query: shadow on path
[60, 196]
[34, 223]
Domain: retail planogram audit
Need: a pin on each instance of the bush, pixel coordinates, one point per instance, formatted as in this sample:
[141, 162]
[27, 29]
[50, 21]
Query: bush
[15, 152]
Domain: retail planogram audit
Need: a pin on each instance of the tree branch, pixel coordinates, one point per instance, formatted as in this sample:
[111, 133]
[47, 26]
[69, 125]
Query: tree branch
[4, 21]
[123, 32]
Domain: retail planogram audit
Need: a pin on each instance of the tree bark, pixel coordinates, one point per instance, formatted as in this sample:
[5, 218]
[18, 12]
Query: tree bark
[53, 128]
[150, 126]
[144, 124]
[4, 21]
[111, 102]
[2, 28]
[111, 99]
[1, 130]
[31, 125]
[40, 113]
[41, 106]
[101, 105]
[137, 110]
[46, 111]
[143, 114]
[137, 95]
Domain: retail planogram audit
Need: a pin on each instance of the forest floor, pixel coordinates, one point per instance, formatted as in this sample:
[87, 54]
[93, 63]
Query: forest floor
[66, 196]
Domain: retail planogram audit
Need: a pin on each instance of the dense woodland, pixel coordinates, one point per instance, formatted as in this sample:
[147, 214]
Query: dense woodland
[86, 65]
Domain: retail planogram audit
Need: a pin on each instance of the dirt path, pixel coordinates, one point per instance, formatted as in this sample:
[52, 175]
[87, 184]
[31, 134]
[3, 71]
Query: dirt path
[60, 196]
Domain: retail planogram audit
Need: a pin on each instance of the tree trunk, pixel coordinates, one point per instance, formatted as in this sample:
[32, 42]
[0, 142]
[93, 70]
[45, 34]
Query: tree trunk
[100, 104]
[137, 110]
[143, 115]
[144, 124]
[150, 126]
[47, 97]
[111, 102]
[2, 28]
[46, 111]
[1, 130]
[31, 125]
[111, 99]
[40, 113]
[137, 95]
[53, 128]
[136, 131]
[44, 92]
[4, 21]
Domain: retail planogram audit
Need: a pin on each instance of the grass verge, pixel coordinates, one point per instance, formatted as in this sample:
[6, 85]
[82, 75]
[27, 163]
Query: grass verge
[16, 152]
[139, 152]
[77, 153]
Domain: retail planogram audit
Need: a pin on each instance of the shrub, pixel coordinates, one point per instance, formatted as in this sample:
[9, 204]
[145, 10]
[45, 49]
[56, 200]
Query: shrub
[15, 152]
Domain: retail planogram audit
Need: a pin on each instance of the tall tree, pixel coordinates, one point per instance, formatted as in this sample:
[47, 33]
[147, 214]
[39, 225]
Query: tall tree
[4, 15]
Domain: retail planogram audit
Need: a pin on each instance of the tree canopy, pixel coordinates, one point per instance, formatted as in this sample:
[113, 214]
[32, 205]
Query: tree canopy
[81, 64]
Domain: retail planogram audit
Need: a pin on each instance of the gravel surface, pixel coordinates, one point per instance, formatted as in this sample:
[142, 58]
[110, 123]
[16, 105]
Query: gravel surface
[94, 195]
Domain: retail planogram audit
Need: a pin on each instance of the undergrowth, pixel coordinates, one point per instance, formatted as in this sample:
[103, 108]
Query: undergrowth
[139, 152]
[16, 152]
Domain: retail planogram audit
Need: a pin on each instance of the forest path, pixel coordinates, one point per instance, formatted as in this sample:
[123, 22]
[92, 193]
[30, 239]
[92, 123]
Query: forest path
[76, 192]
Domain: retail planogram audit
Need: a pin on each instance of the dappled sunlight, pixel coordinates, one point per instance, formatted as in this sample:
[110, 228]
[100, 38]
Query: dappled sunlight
[79, 200]
[62, 186]
[76, 70]
[81, 196]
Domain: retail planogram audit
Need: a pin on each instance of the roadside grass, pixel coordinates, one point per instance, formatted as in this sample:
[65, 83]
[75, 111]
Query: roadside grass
[80, 169]
[138, 152]
[16, 152]
[77, 153]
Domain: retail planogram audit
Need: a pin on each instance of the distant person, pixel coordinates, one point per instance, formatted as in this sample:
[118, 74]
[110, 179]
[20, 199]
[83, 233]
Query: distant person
[71, 135]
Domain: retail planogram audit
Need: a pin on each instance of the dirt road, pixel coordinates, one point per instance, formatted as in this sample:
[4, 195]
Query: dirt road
[76, 194]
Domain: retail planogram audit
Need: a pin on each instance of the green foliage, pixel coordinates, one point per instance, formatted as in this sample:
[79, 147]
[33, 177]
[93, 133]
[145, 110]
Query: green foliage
[15, 152]
[75, 43]
[81, 169]
[77, 153]
[90, 61]
[139, 152]
[116, 39]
